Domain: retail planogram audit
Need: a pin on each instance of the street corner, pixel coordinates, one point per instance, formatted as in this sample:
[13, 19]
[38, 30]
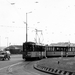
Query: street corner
[63, 66]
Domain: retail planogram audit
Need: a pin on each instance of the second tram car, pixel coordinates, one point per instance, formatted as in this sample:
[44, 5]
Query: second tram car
[32, 50]
[63, 49]
[55, 51]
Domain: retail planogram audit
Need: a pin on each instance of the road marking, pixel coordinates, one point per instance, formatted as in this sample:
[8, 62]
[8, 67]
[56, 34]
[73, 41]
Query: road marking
[10, 65]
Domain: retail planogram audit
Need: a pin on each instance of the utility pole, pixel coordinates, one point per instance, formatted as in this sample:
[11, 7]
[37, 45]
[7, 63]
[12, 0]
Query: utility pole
[37, 34]
[26, 23]
[27, 27]
[0, 40]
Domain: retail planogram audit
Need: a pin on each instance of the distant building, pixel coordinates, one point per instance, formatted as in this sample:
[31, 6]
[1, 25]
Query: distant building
[14, 49]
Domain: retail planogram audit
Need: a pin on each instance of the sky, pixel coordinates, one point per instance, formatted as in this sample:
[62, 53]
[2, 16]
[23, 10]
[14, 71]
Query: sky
[54, 20]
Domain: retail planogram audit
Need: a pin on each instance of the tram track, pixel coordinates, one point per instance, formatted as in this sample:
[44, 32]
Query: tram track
[24, 68]
[29, 67]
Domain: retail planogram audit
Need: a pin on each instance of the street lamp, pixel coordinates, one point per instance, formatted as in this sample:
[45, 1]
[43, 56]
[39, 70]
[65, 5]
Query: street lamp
[26, 27]
[12, 3]
[7, 40]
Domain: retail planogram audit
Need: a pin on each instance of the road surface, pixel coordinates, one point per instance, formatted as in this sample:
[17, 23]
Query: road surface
[17, 66]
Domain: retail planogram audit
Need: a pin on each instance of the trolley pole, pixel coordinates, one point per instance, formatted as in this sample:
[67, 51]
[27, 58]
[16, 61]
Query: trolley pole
[36, 34]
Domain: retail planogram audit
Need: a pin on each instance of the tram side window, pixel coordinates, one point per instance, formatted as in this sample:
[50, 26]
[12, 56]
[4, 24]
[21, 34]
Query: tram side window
[37, 48]
[34, 47]
[52, 49]
[49, 48]
[43, 48]
[70, 49]
[73, 49]
[62, 49]
[56, 49]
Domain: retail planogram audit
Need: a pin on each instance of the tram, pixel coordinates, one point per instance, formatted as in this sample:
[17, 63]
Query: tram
[62, 49]
[33, 50]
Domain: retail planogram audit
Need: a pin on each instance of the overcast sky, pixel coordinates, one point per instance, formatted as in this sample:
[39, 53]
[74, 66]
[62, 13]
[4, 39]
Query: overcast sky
[56, 19]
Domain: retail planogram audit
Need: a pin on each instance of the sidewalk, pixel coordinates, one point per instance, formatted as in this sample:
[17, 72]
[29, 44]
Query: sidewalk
[59, 66]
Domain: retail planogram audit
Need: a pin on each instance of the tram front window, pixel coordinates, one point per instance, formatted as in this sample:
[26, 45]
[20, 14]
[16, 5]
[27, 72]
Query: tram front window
[29, 48]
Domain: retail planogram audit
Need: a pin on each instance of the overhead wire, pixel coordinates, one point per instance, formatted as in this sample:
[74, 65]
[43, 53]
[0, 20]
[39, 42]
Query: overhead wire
[13, 4]
[10, 26]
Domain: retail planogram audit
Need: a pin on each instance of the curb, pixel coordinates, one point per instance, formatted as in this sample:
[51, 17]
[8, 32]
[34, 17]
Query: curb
[52, 71]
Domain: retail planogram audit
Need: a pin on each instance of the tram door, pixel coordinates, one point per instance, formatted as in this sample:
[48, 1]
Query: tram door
[61, 53]
[66, 51]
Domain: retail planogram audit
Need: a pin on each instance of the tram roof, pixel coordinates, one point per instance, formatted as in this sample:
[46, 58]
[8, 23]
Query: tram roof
[63, 44]
[30, 42]
[33, 43]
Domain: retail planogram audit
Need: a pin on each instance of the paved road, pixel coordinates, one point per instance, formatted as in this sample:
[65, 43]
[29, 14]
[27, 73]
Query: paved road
[4, 65]
[17, 66]
[14, 59]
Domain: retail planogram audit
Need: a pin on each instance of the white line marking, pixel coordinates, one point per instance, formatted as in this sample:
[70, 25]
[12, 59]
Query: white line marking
[10, 65]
